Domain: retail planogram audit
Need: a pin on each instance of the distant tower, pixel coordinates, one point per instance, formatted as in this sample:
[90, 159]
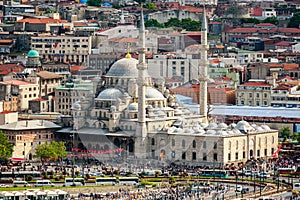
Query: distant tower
[141, 130]
[203, 65]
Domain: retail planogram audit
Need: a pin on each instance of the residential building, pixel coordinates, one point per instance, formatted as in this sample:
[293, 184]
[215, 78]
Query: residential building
[48, 81]
[25, 91]
[254, 93]
[62, 48]
[26, 135]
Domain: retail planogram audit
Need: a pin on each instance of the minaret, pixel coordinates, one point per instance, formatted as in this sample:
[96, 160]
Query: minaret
[141, 130]
[203, 65]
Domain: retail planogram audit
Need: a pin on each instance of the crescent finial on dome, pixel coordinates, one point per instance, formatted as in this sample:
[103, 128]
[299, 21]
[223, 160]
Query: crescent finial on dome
[128, 55]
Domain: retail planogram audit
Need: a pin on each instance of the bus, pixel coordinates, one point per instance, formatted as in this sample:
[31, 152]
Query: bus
[213, 173]
[21, 175]
[75, 181]
[129, 180]
[286, 170]
[106, 181]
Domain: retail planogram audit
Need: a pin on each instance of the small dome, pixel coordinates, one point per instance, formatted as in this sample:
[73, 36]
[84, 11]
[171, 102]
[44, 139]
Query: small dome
[153, 94]
[33, 54]
[212, 126]
[259, 129]
[76, 106]
[110, 94]
[211, 132]
[222, 125]
[265, 127]
[200, 132]
[133, 107]
[221, 133]
[244, 126]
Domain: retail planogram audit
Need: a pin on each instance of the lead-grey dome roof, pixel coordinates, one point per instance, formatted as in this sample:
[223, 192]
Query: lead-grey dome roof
[110, 94]
[125, 67]
[153, 94]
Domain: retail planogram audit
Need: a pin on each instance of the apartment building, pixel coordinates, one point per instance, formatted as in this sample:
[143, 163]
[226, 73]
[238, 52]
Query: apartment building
[63, 48]
[69, 93]
[254, 93]
[286, 95]
[25, 91]
[48, 81]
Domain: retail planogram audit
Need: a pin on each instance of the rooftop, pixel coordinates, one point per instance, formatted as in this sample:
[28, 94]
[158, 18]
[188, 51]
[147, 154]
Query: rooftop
[29, 125]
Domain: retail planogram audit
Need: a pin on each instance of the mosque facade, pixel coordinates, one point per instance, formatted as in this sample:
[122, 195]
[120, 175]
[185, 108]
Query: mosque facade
[132, 119]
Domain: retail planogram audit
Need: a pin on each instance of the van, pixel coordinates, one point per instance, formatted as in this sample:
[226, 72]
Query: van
[40, 183]
[21, 184]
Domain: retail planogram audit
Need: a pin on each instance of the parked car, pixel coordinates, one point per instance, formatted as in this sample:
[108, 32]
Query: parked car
[4, 186]
[264, 175]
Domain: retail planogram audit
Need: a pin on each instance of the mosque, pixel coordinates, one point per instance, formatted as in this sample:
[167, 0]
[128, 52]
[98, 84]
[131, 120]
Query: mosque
[132, 119]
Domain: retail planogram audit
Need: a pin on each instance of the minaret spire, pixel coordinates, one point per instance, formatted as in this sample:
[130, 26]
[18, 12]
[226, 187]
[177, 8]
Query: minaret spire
[141, 130]
[203, 65]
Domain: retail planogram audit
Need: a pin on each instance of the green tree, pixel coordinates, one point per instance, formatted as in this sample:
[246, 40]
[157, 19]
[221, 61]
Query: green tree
[296, 136]
[94, 3]
[153, 23]
[173, 22]
[190, 25]
[150, 6]
[6, 148]
[54, 150]
[285, 132]
[272, 20]
[294, 21]
[250, 20]
[60, 148]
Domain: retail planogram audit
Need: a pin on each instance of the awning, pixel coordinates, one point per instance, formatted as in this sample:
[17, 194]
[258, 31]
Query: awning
[17, 159]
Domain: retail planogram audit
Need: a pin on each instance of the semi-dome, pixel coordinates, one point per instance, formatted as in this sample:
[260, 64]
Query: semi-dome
[125, 67]
[110, 94]
[33, 53]
[153, 94]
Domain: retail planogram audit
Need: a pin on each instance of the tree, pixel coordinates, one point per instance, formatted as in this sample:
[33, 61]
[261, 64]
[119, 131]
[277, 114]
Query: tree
[150, 6]
[173, 22]
[250, 20]
[285, 132]
[190, 25]
[296, 137]
[94, 3]
[272, 20]
[294, 21]
[54, 150]
[6, 148]
[153, 23]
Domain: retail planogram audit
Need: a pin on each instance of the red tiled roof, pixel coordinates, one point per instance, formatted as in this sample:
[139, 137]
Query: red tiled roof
[41, 20]
[6, 41]
[285, 77]
[290, 66]
[284, 43]
[11, 67]
[78, 68]
[253, 83]
[79, 24]
[262, 30]
[15, 82]
[265, 24]
[283, 87]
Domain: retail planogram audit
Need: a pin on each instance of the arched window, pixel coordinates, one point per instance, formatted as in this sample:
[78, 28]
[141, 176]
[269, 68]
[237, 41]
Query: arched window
[152, 141]
[266, 140]
[183, 143]
[173, 142]
[194, 144]
[237, 144]
[273, 140]
[229, 145]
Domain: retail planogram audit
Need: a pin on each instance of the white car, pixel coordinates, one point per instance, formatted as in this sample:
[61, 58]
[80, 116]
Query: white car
[4, 186]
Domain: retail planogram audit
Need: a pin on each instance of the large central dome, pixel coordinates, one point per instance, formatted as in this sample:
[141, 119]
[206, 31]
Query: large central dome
[126, 67]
